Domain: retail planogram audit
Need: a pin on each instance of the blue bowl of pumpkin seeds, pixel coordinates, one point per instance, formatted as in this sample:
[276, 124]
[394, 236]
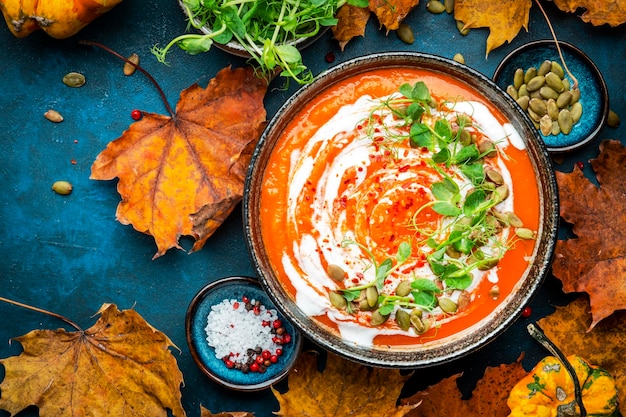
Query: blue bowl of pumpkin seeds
[544, 85]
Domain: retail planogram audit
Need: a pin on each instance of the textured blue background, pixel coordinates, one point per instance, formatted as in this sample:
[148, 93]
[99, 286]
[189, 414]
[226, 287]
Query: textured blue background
[68, 254]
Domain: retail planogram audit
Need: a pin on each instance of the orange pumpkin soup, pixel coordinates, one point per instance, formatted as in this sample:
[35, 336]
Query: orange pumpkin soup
[399, 207]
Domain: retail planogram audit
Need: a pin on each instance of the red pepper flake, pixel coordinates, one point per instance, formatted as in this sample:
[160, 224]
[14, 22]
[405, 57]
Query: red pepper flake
[236, 305]
[73, 161]
[580, 165]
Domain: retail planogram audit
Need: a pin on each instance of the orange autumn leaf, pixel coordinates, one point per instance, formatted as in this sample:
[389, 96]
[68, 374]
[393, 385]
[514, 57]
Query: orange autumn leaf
[488, 398]
[611, 12]
[604, 346]
[121, 366]
[351, 22]
[342, 389]
[595, 261]
[504, 18]
[184, 174]
[391, 13]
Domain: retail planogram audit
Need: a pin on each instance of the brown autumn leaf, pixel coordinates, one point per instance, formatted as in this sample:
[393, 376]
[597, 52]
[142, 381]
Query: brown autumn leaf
[391, 13]
[504, 18]
[351, 22]
[488, 398]
[183, 175]
[595, 261]
[206, 413]
[611, 12]
[343, 388]
[121, 366]
[604, 346]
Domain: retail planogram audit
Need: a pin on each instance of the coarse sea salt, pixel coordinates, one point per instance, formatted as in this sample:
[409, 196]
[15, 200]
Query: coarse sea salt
[240, 332]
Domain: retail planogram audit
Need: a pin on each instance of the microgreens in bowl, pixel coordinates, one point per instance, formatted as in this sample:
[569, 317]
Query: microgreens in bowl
[268, 30]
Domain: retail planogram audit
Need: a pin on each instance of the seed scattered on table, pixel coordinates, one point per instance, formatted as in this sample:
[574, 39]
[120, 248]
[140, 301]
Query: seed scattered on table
[129, 69]
[62, 187]
[53, 116]
[74, 79]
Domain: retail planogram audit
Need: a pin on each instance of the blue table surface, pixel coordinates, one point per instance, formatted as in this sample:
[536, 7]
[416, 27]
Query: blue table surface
[69, 255]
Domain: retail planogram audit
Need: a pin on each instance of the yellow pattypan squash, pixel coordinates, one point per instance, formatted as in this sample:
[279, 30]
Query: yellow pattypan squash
[548, 390]
[58, 18]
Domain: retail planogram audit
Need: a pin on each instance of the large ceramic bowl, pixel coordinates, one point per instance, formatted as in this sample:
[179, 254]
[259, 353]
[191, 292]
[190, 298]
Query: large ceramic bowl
[444, 346]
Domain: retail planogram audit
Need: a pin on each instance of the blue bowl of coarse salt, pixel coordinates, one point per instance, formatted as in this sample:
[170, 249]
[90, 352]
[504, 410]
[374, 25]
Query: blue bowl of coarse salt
[237, 337]
[594, 95]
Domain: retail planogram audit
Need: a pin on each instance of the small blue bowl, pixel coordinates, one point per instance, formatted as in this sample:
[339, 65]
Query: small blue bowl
[594, 95]
[204, 355]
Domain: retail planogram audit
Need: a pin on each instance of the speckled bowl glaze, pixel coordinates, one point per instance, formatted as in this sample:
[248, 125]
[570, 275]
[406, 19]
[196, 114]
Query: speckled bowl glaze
[445, 349]
[235, 48]
[204, 355]
[594, 95]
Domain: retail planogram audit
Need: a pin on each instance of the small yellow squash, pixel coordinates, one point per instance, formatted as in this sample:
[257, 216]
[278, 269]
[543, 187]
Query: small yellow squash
[548, 390]
[58, 18]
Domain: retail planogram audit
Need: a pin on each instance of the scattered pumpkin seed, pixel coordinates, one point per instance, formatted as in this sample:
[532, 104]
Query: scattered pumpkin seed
[461, 28]
[130, 69]
[337, 300]
[459, 58]
[449, 4]
[524, 233]
[447, 305]
[53, 116]
[565, 121]
[62, 187]
[377, 319]
[612, 119]
[74, 79]
[435, 6]
[372, 296]
[403, 319]
[405, 33]
[336, 272]
[403, 288]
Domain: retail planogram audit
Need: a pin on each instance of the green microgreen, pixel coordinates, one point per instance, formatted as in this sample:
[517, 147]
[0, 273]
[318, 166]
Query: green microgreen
[265, 29]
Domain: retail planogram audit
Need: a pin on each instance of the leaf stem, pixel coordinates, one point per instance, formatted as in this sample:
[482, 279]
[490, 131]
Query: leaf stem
[137, 66]
[558, 48]
[538, 334]
[39, 310]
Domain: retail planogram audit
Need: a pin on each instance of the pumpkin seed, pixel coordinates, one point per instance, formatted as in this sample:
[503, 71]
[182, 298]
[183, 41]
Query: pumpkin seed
[435, 6]
[461, 28]
[459, 58]
[465, 137]
[501, 193]
[538, 106]
[487, 148]
[556, 129]
[53, 116]
[612, 119]
[518, 78]
[337, 300]
[513, 219]
[536, 83]
[494, 292]
[129, 69]
[576, 111]
[557, 69]
[565, 121]
[523, 102]
[524, 233]
[419, 323]
[464, 300]
[62, 187]
[336, 272]
[545, 67]
[377, 318]
[447, 305]
[552, 109]
[403, 288]
[449, 5]
[533, 116]
[512, 91]
[403, 319]
[405, 33]
[545, 125]
[554, 82]
[575, 96]
[564, 99]
[530, 74]
[548, 93]
[74, 79]
[566, 84]
[372, 296]
[494, 176]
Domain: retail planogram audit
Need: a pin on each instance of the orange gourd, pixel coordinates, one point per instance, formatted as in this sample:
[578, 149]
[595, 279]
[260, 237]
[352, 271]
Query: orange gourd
[548, 390]
[58, 18]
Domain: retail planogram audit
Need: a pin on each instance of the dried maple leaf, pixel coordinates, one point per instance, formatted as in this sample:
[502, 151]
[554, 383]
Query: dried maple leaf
[488, 398]
[604, 346]
[391, 13]
[206, 413]
[595, 261]
[183, 175]
[612, 12]
[351, 22]
[121, 366]
[344, 388]
[504, 18]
